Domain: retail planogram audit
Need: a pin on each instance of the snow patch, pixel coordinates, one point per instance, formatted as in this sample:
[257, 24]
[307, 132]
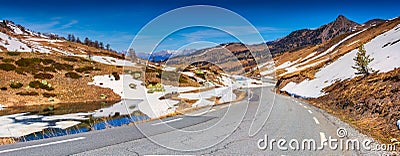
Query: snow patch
[65, 124]
[190, 74]
[15, 29]
[111, 61]
[13, 44]
[386, 59]
[150, 103]
[169, 69]
[124, 107]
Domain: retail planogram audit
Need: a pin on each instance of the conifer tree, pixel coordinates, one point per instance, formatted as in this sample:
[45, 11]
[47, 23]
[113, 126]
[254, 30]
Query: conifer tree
[362, 61]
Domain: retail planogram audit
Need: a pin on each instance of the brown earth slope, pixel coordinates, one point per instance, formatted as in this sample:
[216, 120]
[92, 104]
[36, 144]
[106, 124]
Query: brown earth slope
[370, 103]
[308, 37]
[336, 53]
[32, 78]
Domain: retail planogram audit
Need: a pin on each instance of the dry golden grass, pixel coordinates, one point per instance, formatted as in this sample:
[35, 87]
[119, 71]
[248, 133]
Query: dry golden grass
[67, 90]
[336, 53]
[369, 103]
[76, 48]
[378, 105]
[5, 141]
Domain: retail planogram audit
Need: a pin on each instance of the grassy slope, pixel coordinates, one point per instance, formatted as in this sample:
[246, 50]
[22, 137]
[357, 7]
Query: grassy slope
[66, 89]
[373, 101]
[336, 53]
[370, 103]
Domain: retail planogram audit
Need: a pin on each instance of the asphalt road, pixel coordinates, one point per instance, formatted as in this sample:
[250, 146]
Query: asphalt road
[220, 130]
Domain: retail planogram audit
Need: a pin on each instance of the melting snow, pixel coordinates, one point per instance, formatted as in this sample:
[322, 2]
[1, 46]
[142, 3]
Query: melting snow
[169, 69]
[151, 105]
[112, 61]
[124, 107]
[65, 124]
[13, 44]
[15, 29]
[386, 59]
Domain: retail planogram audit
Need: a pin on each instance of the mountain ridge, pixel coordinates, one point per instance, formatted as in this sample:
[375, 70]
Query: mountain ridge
[307, 37]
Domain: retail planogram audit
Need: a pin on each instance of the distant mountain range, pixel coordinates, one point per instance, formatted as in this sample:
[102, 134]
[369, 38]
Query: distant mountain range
[296, 40]
[310, 37]
[17, 38]
[163, 55]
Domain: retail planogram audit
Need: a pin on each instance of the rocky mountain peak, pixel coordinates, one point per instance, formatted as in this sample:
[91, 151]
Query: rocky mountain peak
[307, 37]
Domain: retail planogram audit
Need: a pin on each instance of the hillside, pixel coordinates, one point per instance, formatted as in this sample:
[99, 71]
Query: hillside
[311, 37]
[323, 75]
[307, 71]
[370, 103]
[35, 79]
[232, 58]
[317, 42]
[42, 69]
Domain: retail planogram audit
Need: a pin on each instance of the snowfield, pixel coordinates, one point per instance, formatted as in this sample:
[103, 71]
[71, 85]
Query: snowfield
[152, 106]
[65, 124]
[124, 107]
[293, 66]
[15, 29]
[169, 69]
[110, 60]
[13, 44]
[386, 59]
[16, 125]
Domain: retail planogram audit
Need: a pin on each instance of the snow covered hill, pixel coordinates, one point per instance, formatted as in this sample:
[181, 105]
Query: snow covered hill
[16, 38]
[335, 64]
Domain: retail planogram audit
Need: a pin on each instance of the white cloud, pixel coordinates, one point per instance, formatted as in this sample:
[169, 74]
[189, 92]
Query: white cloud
[68, 25]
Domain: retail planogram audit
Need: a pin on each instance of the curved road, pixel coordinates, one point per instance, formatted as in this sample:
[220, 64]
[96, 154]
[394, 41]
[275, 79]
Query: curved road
[290, 119]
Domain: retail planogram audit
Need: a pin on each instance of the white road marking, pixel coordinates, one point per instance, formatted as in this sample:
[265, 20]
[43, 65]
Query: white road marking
[316, 120]
[212, 110]
[305, 107]
[300, 104]
[323, 138]
[310, 111]
[168, 121]
[41, 145]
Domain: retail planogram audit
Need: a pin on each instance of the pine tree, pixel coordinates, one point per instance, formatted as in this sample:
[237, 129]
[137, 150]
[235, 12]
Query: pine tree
[132, 54]
[101, 45]
[362, 61]
[108, 46]
[72, 38]
[86, 41]
[78, 40]
[96, 44]
[69, 37]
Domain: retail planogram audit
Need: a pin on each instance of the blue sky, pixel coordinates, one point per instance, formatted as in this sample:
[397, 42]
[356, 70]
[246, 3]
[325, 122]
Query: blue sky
[117, 22]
